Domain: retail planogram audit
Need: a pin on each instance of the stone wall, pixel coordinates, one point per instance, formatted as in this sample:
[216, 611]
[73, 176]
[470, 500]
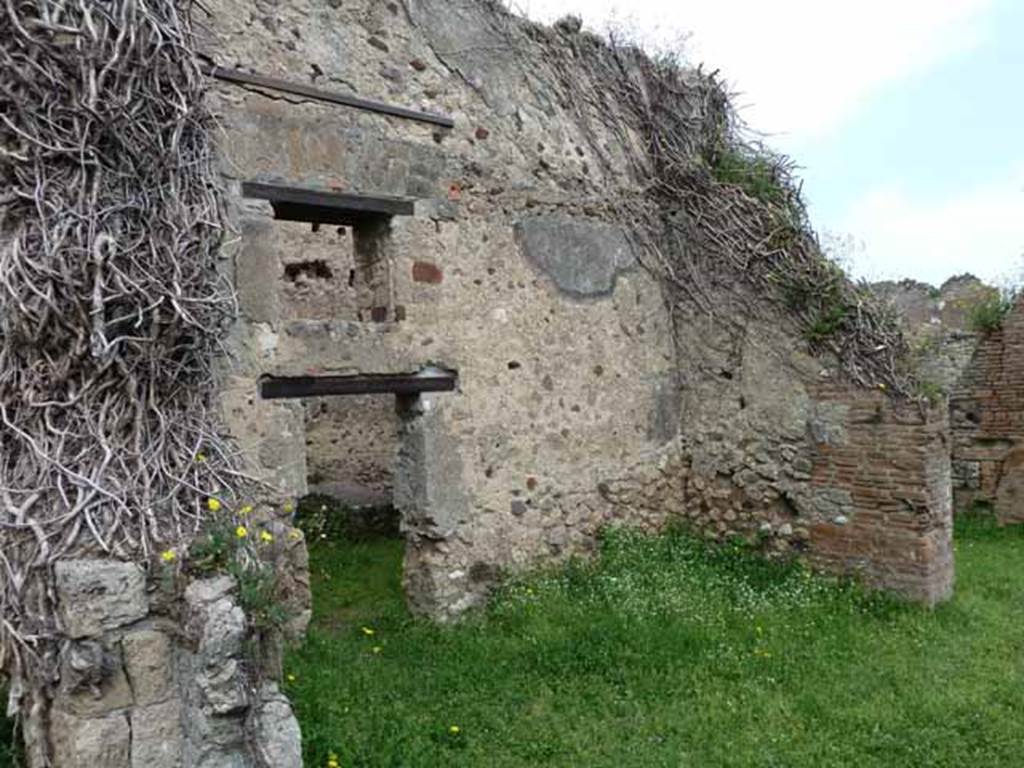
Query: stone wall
[157, 672]
[582, 399]
[987, 415]
[982, 373]
[351, 448]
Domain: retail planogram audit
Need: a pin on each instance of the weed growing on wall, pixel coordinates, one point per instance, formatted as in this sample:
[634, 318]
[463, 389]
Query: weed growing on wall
[988, 313]
[229, 542]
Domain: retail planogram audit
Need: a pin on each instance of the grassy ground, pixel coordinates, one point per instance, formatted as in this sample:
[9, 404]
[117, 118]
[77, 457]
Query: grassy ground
[9, 755]
[667, 654]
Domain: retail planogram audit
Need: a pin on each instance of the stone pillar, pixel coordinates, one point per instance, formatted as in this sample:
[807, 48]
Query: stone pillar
[431, 497]
[881, 487]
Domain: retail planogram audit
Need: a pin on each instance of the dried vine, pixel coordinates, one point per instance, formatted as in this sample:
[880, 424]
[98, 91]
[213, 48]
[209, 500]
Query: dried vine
[707, 203]
[111, 303]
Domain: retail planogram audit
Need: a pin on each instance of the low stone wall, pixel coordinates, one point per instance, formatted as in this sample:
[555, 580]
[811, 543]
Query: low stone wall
[158, 671]
[987, 416]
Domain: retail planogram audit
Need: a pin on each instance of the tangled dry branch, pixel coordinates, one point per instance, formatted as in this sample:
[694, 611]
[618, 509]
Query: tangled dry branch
[707, 202]
[110, 299]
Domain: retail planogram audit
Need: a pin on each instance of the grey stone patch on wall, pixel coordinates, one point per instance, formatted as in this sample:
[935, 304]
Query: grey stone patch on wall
[663, 424]
[826, 425]
[834, 505]
[582, 257]
[98, 741]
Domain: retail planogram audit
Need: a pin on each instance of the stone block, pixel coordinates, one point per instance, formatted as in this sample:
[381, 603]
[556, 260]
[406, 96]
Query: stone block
[223, 688]
[223, 631]
[147, 657]
[98, 595]
[204, 591]
[277, 731]
[157, 736]
[92, 680]
[94, 742]
[258, 272]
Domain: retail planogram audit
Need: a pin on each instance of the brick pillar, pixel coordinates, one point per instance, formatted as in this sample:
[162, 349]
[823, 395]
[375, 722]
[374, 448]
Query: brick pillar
[885, 475]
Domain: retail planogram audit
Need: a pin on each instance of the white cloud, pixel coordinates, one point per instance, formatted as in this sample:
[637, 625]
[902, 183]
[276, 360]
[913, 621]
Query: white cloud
[980, 230]
[803, 66]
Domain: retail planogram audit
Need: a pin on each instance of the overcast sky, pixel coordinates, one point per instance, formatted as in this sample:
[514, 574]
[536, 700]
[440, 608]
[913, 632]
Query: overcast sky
[906, 116]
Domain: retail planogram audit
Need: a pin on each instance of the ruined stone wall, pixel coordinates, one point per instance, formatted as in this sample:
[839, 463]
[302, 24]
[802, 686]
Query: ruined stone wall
[937, 323]
[351, 448]
[159, 673]
[582, 399]
[981, 372]
[987, 415]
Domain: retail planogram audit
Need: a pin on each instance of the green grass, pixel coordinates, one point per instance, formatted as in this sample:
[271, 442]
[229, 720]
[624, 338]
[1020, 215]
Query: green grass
[666, 653]
[10, 754]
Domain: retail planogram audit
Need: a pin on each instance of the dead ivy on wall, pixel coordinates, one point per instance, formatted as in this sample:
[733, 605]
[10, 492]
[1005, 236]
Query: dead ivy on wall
[707, 203]
[111, 302]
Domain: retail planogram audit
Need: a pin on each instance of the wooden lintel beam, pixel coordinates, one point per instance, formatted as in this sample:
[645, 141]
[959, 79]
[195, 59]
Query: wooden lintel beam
[281, 387]
[240, 77]
[303, 204]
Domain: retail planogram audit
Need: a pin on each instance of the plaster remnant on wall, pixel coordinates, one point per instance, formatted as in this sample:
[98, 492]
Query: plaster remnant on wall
[583, 258]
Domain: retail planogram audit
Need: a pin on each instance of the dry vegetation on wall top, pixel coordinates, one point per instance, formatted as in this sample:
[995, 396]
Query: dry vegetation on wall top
[110, 300]
[705, 202]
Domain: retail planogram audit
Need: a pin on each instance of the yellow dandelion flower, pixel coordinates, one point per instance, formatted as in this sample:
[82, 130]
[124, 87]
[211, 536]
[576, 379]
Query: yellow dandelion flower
[168, 556]
[294, 534]
[200, 457]
[369, 632]
[333, 764]
[245, 510]
[454, 730]
[213, 504]
[291, 678]
[266, 537]
[241, 532]
[289, 507]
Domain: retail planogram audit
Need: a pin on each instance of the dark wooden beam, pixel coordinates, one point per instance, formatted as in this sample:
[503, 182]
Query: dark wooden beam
[302, 204]
[239, 77]
[280, 387]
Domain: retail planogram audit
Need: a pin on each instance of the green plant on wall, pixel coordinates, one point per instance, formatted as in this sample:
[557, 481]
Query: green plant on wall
[757, 174]
[230, 543]
[987, 314]
[930, 390]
